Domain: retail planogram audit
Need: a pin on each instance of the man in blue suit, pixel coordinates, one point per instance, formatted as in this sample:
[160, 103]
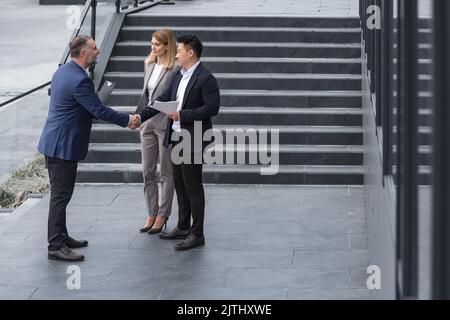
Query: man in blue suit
[65, 138]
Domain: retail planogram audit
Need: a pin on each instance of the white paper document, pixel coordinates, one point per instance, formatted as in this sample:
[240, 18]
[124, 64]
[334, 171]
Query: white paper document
[165, 107]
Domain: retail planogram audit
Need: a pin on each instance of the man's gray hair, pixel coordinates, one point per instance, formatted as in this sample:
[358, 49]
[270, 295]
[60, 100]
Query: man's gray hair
[77, 44]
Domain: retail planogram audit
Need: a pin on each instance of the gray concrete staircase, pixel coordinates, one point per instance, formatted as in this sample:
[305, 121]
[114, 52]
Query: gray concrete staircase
[301, 76]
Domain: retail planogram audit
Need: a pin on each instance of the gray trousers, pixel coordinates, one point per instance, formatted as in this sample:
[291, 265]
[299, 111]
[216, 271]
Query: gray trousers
[152, 151]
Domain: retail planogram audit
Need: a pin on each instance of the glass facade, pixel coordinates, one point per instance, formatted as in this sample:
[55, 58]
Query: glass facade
[407, 64]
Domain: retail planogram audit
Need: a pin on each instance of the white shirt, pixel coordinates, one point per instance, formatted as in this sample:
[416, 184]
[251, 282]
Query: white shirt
[187, 74]
[151, 85]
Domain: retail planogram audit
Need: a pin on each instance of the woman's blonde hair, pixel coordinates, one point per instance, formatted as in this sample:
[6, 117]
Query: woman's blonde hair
[166, 37]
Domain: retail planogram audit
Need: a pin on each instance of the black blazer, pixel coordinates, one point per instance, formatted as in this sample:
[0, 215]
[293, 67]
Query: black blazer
[200, 103]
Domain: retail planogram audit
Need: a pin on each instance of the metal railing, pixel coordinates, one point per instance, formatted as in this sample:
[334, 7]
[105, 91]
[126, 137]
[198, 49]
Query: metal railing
[22, 95]
[89, 7]
[90, 4]
[136, 4]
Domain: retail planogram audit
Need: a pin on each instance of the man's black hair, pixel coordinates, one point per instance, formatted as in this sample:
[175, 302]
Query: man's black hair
[192, 42]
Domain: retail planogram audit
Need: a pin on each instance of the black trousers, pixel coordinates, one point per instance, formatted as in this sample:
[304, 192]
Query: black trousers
[62, 174]
[190, 196]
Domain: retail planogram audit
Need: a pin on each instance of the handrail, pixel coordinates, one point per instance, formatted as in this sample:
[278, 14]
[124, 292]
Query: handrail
[25, 94]
[89, 5]
[136, 4]
[63, 60]
[112, 33]
[75, 33]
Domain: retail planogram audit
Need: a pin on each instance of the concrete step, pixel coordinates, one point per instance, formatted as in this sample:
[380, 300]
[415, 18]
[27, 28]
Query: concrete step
[257, 81]
[311, 135]
[422, 22]
[278, 116]
[253, 65]
[424, 155]
[424, 35]
[424, 50]
[254, 49]
[425, 175]
[424, 66]
[289, 116]
[308, 175]
[424, 100]
[264, 98]
[248, 154]
[424, 134]
[425, 116]
[248, 34]
[425, 82]
[231, 174]
[146, 19]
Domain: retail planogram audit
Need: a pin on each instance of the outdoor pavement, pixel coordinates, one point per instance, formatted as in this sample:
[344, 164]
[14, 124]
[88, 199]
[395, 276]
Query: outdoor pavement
[262, 242]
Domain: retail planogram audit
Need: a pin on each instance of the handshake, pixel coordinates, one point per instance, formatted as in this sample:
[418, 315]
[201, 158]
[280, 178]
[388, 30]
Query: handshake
[135, 122]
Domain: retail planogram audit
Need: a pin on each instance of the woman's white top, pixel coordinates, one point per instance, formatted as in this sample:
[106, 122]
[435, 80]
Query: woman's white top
[154, 79]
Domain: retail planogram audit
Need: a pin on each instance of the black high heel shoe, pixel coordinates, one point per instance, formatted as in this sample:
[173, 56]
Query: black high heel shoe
[158, 230]
[146, 229]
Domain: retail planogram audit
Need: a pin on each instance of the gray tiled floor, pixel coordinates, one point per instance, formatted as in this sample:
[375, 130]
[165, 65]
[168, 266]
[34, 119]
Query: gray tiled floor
[262, 242]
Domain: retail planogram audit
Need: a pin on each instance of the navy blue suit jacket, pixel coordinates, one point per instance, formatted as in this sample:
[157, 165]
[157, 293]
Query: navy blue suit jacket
[73, 105]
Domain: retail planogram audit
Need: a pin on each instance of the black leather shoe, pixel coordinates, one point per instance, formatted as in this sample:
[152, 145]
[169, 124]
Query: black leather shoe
[71, 243]
[191, 242]
[65, 254]
[176, 233]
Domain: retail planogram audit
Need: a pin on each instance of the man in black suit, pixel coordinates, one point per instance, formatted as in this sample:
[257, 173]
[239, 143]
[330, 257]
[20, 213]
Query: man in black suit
[198, 94]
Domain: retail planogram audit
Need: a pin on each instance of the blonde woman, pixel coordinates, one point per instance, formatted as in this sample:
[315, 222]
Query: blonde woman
[158, 71]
